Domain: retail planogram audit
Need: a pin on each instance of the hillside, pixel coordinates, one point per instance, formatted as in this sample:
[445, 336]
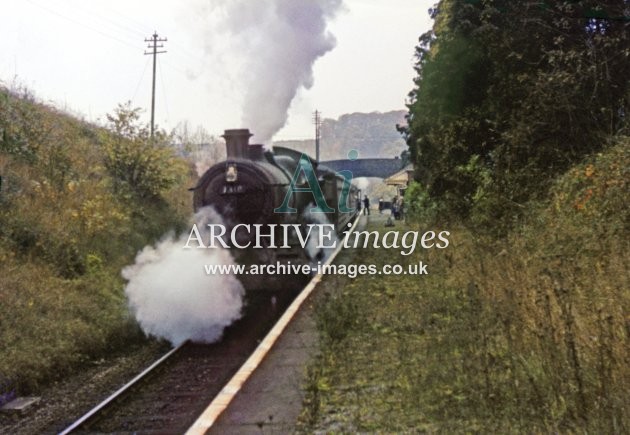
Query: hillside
[518, 131]
[372, 134]
[523, 335]
[77, 201]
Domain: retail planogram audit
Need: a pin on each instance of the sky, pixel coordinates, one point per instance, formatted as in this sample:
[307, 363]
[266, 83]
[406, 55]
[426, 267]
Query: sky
[87, 57]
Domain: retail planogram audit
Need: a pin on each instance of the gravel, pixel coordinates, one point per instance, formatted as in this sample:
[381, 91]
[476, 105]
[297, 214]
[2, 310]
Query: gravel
[64, 401]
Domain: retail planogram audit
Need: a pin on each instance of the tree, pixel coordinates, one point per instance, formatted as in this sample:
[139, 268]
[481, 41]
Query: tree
[509, 94]
[137, 163]
[200, 147]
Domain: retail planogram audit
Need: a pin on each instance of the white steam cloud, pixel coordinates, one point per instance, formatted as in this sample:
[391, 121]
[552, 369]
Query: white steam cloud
[171, 295]
[314, 251]
[361, 182]
[275, 44]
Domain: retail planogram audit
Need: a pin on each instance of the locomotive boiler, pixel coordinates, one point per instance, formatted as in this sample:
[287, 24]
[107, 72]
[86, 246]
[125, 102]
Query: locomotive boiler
[249, 186]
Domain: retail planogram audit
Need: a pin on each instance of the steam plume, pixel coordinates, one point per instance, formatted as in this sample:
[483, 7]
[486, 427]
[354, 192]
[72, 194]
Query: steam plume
[277, 43]
[313, 250]
[171, 295]
[361, 182]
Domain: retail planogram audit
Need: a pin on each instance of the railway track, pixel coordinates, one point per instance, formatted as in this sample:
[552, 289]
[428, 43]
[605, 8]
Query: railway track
[187, 388]
[169, 395]
[92, 413]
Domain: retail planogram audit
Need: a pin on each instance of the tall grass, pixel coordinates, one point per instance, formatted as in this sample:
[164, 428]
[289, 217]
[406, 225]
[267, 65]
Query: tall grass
[65, 232]
[559, 297]
[525, 334]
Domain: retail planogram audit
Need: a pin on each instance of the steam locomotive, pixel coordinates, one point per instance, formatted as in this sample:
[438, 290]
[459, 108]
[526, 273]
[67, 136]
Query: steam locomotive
[249, 186]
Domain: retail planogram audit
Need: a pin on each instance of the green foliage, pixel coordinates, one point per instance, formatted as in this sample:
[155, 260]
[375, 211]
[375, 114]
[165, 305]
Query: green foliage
[594, 194]
[67, 226]
[528, 334]
[336, 316]
[142, 165]
[418, 204]
[524, 90]
[21, 128]
[49, 324]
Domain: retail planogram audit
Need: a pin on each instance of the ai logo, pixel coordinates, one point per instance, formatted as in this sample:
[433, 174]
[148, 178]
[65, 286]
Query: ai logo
[304, 164]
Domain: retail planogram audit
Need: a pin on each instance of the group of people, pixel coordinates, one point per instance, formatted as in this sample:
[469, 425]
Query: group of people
[397, 206]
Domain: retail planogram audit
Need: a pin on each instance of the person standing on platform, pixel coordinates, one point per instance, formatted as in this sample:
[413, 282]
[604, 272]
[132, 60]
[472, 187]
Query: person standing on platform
[366, 205]
[395, 207]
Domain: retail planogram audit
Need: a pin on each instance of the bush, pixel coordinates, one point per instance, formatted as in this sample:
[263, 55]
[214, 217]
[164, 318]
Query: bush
[419, 206]
[528, 333]
[136, 162]
[67, 226]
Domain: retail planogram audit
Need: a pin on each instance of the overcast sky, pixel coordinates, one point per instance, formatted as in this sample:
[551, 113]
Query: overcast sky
[88, 56]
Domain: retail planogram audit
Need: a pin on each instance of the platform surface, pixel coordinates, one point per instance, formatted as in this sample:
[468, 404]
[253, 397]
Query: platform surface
[271, 400]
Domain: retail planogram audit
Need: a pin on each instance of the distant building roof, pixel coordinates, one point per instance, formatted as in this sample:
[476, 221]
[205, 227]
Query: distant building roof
[400, 178]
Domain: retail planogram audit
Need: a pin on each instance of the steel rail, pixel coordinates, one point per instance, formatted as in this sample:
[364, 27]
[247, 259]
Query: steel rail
[225, 396]
[222, 400]
[114, 396]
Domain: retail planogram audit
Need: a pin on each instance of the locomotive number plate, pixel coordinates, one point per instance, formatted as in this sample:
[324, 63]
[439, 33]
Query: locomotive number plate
[231, 189]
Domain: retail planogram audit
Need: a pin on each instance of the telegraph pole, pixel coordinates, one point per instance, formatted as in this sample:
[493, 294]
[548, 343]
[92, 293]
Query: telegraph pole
[317, 120]
[153, 44]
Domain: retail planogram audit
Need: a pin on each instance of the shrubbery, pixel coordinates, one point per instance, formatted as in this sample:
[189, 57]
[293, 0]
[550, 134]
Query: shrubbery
[509, 96]
[553, 300]
[517, 128]
[77, 202]
[525, 334]
[137, 163]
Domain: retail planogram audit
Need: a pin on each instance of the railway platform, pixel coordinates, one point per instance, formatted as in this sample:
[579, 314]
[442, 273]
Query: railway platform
[270, 401]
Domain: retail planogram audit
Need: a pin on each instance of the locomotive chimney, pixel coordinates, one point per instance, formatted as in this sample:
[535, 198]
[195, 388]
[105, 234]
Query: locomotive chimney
[256, 152]
[237, 143]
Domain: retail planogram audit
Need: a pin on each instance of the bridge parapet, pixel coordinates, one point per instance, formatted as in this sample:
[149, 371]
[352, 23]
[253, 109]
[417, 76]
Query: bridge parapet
[380, 168]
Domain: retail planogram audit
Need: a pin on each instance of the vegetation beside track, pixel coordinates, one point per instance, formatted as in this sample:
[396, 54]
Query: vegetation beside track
[77, 201]
[524, 334]
[518, 132]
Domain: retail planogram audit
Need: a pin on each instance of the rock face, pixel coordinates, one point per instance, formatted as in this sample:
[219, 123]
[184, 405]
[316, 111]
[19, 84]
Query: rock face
[372, 134]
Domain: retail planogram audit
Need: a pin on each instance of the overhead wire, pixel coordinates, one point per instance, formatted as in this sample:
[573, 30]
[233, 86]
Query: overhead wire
[130, 28]
[130, 32]
[146, 64]
[82, 24]
[143, 30]
[104, 18]
[142, 26]
[163, 91]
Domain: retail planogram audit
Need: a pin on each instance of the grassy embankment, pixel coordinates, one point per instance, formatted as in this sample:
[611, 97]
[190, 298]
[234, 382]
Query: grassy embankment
[528, 334]
[75, 206]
